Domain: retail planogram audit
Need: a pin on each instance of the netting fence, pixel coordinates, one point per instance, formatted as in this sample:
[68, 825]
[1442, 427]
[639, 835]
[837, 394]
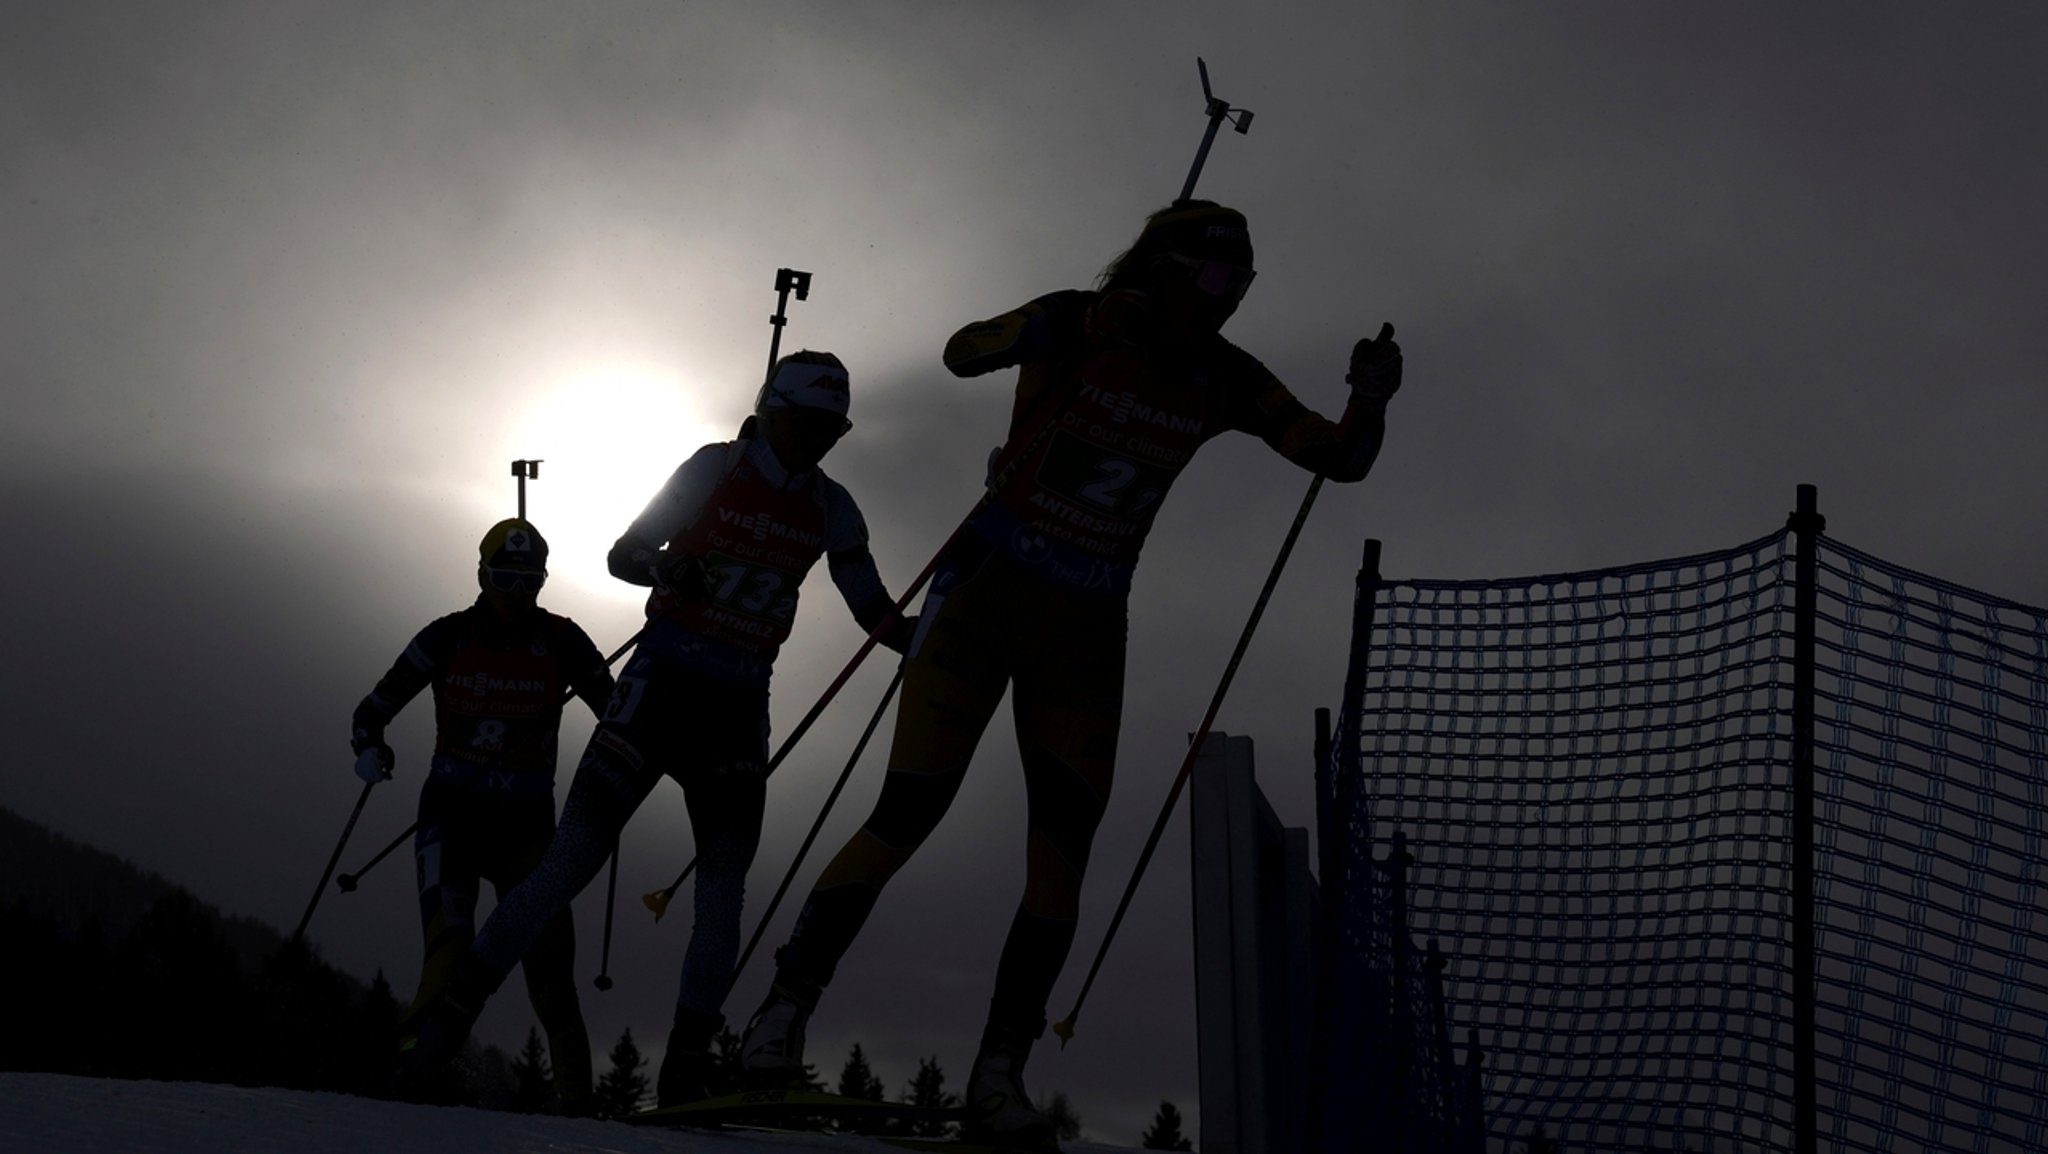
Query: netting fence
[1595, 774]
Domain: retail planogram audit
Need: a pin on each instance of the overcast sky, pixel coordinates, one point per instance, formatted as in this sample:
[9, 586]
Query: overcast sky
[287, 286]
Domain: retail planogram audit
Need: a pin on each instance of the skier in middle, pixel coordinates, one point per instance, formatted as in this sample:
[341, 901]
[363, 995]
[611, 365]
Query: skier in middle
[724, 544]
[1135, 377]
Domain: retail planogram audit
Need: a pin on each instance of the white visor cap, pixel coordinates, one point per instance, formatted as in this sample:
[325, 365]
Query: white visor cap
[807, 386]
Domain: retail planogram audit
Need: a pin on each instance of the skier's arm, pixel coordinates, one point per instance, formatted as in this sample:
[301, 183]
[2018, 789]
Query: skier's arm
[1033, 332]
[853, 569]
[583, 667]
[1342, 450]
[423, 660]
[638, 550]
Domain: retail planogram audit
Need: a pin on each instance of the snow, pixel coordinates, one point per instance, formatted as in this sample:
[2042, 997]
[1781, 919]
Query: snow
[59, 1114]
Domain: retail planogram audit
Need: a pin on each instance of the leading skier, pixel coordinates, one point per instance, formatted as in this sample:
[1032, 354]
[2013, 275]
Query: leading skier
[725, 545]
[1133, 379]
[498, 670]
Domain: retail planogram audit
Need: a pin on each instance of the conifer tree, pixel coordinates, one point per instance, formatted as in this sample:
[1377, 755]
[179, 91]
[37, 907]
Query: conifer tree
[725, 1068]
[857, 1079]
[623, 1087]
[533, 1081]
[1066, 1121]
[1165, 1132]
[928, 1089]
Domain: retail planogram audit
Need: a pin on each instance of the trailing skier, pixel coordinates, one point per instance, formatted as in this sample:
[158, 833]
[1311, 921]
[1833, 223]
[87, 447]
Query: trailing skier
[1133, 378]
[725, 545]
[499, 671]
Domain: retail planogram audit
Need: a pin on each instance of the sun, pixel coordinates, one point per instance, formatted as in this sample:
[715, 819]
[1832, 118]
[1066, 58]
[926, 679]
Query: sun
[606, 441]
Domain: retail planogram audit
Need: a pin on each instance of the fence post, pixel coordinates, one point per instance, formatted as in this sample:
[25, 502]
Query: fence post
[1401, 1081]
[1334, 810]
[1806, 524]
[1324, 915]
[1443, 1056]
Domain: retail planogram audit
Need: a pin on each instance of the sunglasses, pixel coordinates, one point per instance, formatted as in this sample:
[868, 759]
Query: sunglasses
[815, 422]
[1217, 278]
[515, 580]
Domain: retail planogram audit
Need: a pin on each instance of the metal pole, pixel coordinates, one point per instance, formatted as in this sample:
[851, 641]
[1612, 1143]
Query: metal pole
[525, 470]
[1218, 111]
[796, 863]
[1806, 524]
[348, 882]
[787, 280]
[1333, 825]
[333, 859]
[1064, 1028]
[603, 981]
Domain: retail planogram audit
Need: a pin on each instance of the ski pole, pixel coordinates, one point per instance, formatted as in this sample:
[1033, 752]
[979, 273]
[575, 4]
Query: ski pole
[1218, 111]
[333, 859]
[788, 875]
[657, 900]
[603, 981]
[348, 882]
[1065, 1027]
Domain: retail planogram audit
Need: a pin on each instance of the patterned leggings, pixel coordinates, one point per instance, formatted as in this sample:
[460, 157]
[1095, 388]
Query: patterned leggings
[662, 721]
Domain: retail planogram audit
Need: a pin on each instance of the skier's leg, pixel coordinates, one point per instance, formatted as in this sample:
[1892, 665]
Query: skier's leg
[725, 820]
[726, 794]
[952, 684]
[445, 868]
[1069, 705]
[618, 770]
[550, 965]
[612, 780]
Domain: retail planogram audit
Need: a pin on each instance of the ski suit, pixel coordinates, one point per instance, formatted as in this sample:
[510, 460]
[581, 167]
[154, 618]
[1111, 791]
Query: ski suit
[692, 702]
[1034, 599]
[487, 808]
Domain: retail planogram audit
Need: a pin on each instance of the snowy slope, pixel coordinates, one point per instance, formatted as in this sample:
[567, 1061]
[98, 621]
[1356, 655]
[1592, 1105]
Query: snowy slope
[58, 1114]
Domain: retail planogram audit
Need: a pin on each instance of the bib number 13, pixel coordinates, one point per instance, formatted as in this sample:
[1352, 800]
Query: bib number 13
[755, 590]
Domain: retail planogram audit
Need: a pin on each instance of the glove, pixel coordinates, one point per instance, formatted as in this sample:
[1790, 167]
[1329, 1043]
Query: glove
[683, 575]
[1375, 372]
[374, 763]
[900, 633]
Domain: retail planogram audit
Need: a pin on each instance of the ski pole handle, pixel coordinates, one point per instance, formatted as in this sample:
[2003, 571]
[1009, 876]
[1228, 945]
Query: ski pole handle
[658, 900]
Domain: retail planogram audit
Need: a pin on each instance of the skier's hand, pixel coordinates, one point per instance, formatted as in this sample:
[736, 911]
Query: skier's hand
[899, 633]
[683, 575]
[374, 762]
[1375, 367]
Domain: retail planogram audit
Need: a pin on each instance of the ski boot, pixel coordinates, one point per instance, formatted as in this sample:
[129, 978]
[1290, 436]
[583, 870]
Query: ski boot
[427, 1048]
[1003, 1115]
[772, 1054]
[574, 1095]
[689, 1068]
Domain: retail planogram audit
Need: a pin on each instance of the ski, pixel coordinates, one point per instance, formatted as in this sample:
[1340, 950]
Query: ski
[965, 1146]
[770, 1106]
